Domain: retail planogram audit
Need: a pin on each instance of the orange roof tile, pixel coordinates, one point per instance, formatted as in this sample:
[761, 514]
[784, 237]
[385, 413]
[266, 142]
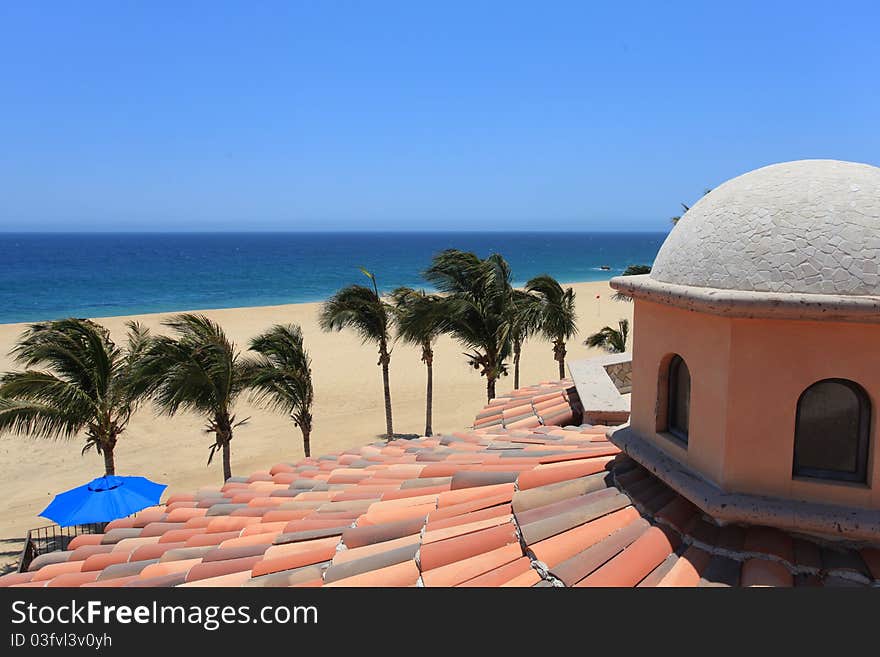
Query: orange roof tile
[514, 502]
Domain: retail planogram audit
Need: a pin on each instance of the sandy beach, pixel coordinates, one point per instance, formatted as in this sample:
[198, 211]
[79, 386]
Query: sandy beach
[348, 409]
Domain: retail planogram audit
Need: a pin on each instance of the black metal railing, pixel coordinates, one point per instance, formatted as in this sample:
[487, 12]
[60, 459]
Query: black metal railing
[51, 538]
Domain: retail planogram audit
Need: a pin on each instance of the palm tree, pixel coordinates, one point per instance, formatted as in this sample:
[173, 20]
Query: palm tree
[281, 376]
[478, 308]
[636, 270]
[197, 370]
[76, 380]
[420, 321]
[526, 321]
[363, 309]
[678, 217]
[631, 270]
[685, 208]
[612, 340]
[558, 317]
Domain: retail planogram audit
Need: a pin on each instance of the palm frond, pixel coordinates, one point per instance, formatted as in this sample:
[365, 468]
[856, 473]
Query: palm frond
[358, 308]
[610, 339]
[198, 369]
[420, 317]
[526, 315]
[478, 306]
[78, 350]
[38, 419]
[558, 315]
[280, 376]
[74, 381]
[454, 271]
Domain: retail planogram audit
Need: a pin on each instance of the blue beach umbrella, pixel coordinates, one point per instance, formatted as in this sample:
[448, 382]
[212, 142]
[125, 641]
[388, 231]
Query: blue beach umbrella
[103, 499]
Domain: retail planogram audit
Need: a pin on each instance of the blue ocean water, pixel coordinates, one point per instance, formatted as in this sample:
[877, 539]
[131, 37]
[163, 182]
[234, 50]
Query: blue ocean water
[48, 276]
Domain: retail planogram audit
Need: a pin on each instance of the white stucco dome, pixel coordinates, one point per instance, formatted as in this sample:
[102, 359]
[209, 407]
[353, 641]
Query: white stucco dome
[810, 226]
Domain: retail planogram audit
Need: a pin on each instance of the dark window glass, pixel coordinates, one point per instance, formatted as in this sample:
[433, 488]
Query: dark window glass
[679, 398]
[831, 431]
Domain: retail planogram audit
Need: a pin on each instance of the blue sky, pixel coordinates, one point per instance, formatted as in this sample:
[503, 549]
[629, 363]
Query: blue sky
[409, 115]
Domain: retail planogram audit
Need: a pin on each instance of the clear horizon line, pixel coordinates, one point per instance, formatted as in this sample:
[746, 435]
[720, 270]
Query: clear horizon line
[321, 232]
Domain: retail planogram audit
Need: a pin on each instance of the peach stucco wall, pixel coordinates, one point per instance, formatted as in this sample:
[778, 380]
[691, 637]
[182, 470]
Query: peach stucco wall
[703, 341]
[772, 362]
[746, 377]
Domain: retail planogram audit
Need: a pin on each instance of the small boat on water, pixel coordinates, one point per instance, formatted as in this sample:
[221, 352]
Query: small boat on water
[605, 268]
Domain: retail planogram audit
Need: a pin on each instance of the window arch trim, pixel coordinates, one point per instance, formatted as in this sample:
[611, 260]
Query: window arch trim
[860, 474]
[677, 426]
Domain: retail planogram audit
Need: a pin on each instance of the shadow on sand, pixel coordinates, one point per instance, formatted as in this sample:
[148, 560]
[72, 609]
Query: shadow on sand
[404, 436]
[10, 551]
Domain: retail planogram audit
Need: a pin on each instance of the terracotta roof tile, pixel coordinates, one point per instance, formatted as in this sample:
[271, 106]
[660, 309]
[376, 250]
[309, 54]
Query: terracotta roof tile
[172, 579]
[764, 572]
[575, 568]
[636, 561]
[688, 569]
[434, 534]
[354, 537]
[343, 555]
[807, 555]
[211, 569]
[844, 562]
[770, 541]
[517, 503]
[442, 552]
[286, 578]
[656, 576]
[871, 557]
[56, 569]
[309, 555]
[98, 562]
[85, 539]
[14, 579]
[504, 575]
[584, 511]
[461, 571]
[405, 573]
[73, 579]
[528, 578]
[721, 571]
[229, 579]
[390, 557]
[468, 518]
[560, 547]
[177, 554]
[85, 551]
[113, 582]
[168, 568]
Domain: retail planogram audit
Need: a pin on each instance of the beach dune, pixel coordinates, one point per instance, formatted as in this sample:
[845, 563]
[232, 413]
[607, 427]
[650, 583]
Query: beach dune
[348, 409]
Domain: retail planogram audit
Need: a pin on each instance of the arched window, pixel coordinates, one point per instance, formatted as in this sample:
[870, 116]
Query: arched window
[678, 408]
[831, 431]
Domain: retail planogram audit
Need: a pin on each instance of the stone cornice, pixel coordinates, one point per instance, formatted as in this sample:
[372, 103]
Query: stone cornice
[829, 520]
[751, 305]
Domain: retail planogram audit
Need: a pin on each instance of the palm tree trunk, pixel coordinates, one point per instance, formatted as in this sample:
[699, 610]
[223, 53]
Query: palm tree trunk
[307, 449]
[223, 431]
[559, 355]
[517, 352]
[109, 461]
[490, 388]
[227, 463]
[385, 359]
[429, 398]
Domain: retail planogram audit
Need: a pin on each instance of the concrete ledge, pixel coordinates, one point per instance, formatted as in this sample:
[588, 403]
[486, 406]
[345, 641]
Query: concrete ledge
[754, 305]
[804, 517]
[597, 391]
